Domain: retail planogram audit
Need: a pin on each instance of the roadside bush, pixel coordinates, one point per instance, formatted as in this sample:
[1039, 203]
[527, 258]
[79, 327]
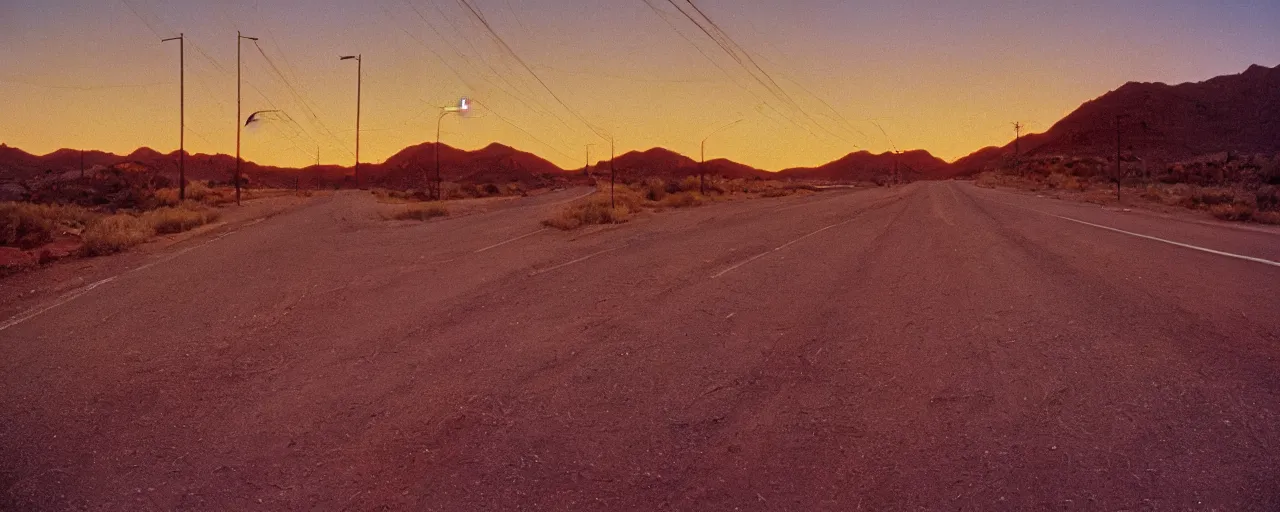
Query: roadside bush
[1212, 197]
[423, 211]
[1233, 211]
[179, 218]
[27, 225]
[1268, 198]
[595, 210]
[777, 192]
[654, 189]
[682, 200]
[115, 233]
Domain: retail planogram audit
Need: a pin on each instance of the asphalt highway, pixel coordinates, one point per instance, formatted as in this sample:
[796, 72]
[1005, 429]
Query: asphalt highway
[931, 346]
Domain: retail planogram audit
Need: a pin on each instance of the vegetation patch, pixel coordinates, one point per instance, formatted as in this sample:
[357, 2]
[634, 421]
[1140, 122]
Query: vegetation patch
[115, 233]
[418, 211]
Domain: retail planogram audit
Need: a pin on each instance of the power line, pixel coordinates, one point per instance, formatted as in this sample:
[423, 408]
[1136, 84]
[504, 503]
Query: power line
[83, 87]
[526, 67]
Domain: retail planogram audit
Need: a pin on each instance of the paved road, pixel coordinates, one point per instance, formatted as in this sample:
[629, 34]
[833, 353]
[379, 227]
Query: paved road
[933, 346]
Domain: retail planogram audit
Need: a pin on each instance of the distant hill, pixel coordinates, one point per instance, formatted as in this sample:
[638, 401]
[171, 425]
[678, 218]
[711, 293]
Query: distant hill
[1162, 123]
[408, 168]
[866, 166]
[667, 164]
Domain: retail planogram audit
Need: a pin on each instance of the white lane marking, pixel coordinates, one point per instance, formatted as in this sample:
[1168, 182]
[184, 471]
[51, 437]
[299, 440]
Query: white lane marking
[32, 313]
[579, 260]
[573, 199]
[61, 300]
[780, 247]
[1171, 242]
[1149, 237]
[500, 244]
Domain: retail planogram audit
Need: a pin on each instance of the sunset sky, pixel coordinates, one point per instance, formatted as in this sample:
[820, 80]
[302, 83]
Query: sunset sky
[809, 78]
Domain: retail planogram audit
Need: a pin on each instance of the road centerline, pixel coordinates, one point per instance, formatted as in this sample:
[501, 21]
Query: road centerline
[516, 239]
[565, 264]
[780, 247]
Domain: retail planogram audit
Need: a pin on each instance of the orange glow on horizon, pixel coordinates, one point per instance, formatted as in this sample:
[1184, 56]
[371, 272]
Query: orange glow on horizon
[947, 81]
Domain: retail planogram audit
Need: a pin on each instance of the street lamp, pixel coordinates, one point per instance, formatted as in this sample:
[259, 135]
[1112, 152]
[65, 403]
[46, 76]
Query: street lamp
[462, 107]
[239, 37]
[182, 116]
[359, 79]
[702, 173]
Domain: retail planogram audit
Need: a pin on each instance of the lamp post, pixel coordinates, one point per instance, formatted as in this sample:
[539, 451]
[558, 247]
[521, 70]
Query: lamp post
[359, 79]
[239, 37]
[462, 106]
[702, 173]
[613, 174]
[182, 117]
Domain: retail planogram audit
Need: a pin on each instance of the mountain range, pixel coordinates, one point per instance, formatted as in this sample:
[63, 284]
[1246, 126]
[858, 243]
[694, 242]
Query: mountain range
[1157, 122]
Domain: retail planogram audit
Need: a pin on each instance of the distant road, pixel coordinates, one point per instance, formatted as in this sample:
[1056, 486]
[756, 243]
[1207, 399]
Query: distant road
[935, 346]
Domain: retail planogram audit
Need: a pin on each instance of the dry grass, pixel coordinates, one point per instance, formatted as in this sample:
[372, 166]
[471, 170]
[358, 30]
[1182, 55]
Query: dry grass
[115, 233]
[200, 192]
[418, 211]
[596, 209]
[1241, 203]
[682, 200]
[181, 218]
[28, 225]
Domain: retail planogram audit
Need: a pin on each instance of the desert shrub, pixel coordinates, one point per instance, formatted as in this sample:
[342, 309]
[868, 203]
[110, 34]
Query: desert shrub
[777, 192]
[167, 197]
[735, 186]
[28, 225]
[177, 219]
[515, 188]
[198, 191]
[682, 200]
[449, 190]
[115, 233]
[1267, 198]
[423, 211]
[654, 189]
[1233, 211]
[987, 179]
[1213, 197]
[690, 183]
[1266, 217]
[595, 210]
[488, 189]
[715, 186]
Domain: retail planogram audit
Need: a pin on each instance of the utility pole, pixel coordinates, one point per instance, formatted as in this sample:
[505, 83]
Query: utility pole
[702, 169]
[613, 174]
[239, 37]
[182, 115]
[359, 80]
[586, 169]
[1017, 139]
[702, 173]
[896, 177]
[1118, 157]
[82, 164]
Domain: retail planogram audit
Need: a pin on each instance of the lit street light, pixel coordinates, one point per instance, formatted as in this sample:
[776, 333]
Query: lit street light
[462, 107]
